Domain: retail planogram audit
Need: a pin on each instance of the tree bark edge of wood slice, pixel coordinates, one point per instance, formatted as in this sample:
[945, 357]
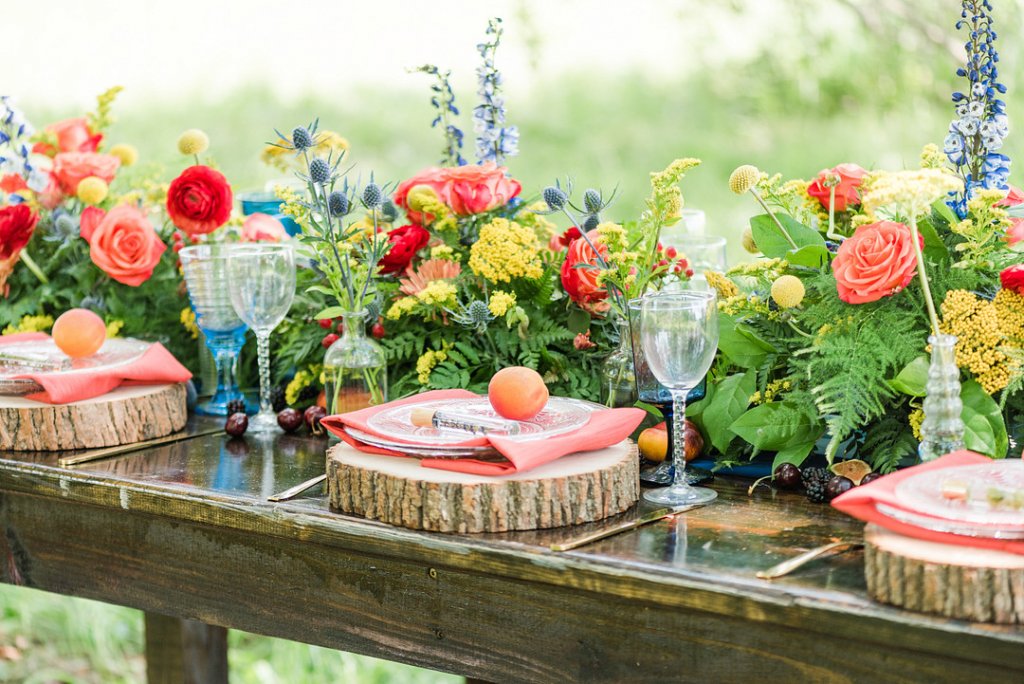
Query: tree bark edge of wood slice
[960, 582]
[572, 490]
[126, 415]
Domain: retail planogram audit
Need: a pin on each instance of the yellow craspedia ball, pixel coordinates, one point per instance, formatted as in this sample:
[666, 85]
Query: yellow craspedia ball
[748, 242]
[788, 291]
[92, 190]
[193, 141]
[744, 178]
[420, 197]
[126, 153]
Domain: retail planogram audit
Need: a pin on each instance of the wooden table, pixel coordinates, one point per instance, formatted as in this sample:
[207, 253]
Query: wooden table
[184, 532]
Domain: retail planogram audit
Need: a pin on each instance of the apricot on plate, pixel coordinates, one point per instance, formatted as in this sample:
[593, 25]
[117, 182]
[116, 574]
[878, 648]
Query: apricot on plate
[79, 332]
[517, 393]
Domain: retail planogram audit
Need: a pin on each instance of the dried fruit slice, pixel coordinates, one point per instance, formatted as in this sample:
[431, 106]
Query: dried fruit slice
[854, 469]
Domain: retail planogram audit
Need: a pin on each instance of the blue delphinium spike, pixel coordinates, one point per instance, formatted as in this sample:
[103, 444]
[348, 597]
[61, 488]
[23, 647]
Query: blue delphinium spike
[494, 140]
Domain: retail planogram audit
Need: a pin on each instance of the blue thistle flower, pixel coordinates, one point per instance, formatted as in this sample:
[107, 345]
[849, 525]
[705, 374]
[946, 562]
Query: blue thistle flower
[338, 204]
[302, 139]
[592, 201]
[319, 171]
[388, 210]
[373, 196]
[590, 222]
[555, 198]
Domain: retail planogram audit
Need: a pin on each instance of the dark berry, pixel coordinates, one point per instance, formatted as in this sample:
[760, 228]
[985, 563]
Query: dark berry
[838, 485]
[277, 398]
[787, 476]
[290, 420]
[378, 331]
[329, 339]
[815, 480]
[870, 477]
[313, 416]
[236, 406]
[237, 424]
[326, 323]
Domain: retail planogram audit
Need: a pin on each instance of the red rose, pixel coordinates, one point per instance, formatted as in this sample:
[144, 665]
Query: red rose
[69, 168]
[405, 242]
[1012, 278]
[73, 135]
[877, 261]
[199, 200]
[558, 242]
[581, 283]
[850, 177]
[122, 242]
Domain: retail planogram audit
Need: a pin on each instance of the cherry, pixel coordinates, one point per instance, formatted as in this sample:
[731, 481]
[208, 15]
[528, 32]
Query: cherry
[290, 420]
[236, 424]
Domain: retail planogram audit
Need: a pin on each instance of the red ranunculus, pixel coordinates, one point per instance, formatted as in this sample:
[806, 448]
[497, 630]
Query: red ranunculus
[850, 177]
[877, 261]
[560, 242]
[69, 168]
[17, 222]
[405, 242]
[122, 242]
[73, 135]
[1012, 278]
[199, 200]
[581, 283]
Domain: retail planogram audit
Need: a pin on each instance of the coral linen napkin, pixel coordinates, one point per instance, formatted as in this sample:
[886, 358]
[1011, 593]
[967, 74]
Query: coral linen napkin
[604, 429]
[860, 502]
[156, 366]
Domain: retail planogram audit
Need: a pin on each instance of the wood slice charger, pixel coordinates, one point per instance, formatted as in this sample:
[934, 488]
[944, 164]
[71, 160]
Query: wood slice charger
[962, 582]
[574, 489]
[128, 414]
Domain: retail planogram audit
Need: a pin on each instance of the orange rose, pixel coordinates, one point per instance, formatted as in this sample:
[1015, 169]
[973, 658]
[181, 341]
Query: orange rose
[73, 135]
[850, 178]
[474, 189]
[69, 168]
[122, 243]
[581, 283]
[877, 261]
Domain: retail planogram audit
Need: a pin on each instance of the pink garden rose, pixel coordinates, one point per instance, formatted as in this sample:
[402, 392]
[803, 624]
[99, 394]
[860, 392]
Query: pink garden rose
[1015, 233]
[466, 190]
[850, 178]
[263, 228]
[877, 261]
[69, 168]
[122, 242]
[73, 135]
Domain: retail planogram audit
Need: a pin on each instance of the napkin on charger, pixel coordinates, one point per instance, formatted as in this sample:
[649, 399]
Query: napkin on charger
[156, 366]
[605, 428]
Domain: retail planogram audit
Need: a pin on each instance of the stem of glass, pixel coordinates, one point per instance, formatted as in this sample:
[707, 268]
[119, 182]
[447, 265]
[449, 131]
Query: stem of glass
[263, 352]
[679, 437]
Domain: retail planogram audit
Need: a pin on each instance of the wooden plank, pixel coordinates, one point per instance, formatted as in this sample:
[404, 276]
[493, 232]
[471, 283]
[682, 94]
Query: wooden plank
[185, 651]
[464, 619]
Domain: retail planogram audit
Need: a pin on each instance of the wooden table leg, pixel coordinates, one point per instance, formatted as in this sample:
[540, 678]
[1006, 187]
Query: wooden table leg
[185, 651]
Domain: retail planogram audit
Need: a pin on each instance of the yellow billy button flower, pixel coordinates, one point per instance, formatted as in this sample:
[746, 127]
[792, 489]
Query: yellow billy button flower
[748, 241]
[421, 197]
[193, 142]
[126, 153]
[744, 178]
[788, 291]
[92, 190]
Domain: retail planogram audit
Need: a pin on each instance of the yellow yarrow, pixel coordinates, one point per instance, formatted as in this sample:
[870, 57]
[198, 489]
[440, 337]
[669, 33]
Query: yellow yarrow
[193, 142]
[915, 419]
[114, 327]
[744, 178]
[443, 252]
[975, 322]
[530, 216]
[500, 302]
[126, 153]
[188, 321]
[438, 293]
[301, 381]
[92, 190]
[400, 308]
[427, 362]
[30, 323]
[506, 250]
[1010, 310]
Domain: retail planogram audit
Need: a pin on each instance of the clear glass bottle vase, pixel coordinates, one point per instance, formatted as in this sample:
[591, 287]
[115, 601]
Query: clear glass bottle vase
[618, 376]
[942, 430]
[355, 368]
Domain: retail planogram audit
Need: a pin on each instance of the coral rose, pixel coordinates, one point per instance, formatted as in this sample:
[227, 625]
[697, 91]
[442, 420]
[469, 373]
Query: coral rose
[122, 243]
[580, 283]
[199, 200]
[69, 168]
[263, 228]
[474, 189]
[405, 242]
[1015, 233]
[73, 135]
[1012, 278]
[434, 178]
[877, 261]
[850, 177]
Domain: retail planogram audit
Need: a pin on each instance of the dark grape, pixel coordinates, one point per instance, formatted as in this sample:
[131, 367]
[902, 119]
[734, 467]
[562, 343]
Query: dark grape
[290, 420]
[870, 477]
[838, 485]
[237, 424]
[313, 416]
[787, 476]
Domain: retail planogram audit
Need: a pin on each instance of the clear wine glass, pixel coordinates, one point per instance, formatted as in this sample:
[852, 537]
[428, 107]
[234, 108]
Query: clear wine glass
[679, 335]
[261, 282]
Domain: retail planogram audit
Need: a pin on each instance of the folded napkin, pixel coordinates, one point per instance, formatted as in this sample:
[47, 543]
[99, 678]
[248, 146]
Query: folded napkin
[604, 429]
[156, 366]
[860, 502]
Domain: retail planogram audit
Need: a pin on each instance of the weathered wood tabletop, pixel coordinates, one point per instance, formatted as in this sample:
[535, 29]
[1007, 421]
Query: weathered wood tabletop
[185, 531]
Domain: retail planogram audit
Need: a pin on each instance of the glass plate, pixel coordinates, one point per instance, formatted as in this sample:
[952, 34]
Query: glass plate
[951, 526]
[559, 416]
[423, 450]
[923, 493]
[44, 353]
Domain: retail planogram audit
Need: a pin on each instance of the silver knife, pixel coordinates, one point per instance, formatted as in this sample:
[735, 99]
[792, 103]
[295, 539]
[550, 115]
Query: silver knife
[293, 492]
[788, 566]
[653, 516]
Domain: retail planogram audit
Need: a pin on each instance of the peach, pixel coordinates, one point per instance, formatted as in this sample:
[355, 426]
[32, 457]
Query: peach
[79, 332]
[653, 442]
[517, 393]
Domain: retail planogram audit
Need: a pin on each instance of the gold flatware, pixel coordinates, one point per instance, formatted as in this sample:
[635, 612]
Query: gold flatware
[107, 452]
[653, 516]
[796, 562]
[298, 489]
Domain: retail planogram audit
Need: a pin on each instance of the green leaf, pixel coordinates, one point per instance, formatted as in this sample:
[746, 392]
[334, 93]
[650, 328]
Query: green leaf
[985, 430]
[579, 321]
[773, 243]
[934, 247]
[740, 344]
[811, 256]
[731, 399]
[795, 454]
[322, 289]
[330, 312]
[778, 425]
[912, 379]
[942, 210]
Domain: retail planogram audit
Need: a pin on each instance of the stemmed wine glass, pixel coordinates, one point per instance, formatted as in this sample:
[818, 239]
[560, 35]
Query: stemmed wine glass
[261, 281]
[679, 335]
